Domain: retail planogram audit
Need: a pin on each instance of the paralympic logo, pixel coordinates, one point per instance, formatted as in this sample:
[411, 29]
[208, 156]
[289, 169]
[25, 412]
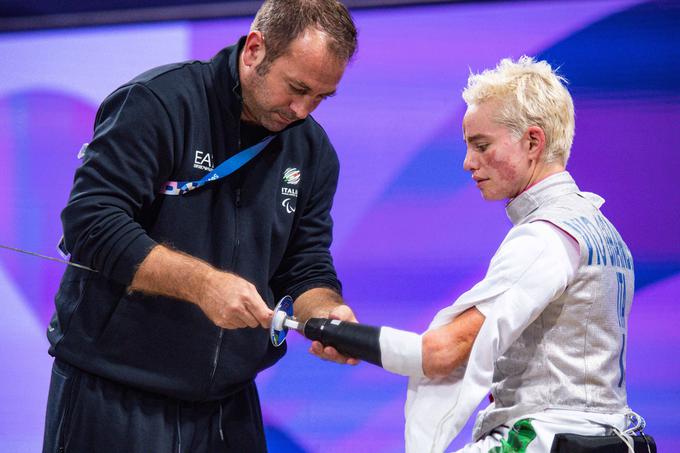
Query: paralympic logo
[287, 204]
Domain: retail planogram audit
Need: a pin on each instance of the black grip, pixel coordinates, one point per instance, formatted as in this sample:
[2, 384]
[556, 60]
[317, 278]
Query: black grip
[352, 339]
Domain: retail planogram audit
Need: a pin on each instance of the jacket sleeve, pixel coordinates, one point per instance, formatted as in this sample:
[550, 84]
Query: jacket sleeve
[124, 165]
[308, 262]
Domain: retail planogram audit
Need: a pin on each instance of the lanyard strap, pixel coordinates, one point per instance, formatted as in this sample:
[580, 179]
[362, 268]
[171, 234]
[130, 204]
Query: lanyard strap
[226, 168]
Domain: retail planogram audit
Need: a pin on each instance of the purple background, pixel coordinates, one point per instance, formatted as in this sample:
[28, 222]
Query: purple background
[411, 232]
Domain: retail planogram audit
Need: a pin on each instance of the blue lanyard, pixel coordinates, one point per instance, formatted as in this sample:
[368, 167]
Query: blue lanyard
[226, 168]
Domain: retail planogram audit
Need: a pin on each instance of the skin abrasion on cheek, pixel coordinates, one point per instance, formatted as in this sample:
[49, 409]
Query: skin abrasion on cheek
[504, 168]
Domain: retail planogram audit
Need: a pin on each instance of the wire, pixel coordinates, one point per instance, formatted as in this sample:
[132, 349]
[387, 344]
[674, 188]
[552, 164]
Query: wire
[45, 257]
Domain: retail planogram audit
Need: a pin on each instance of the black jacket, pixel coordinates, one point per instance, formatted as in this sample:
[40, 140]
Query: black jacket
[160, 127]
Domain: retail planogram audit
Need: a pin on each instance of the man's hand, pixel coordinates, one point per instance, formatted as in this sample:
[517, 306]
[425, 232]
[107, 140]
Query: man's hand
[231, 302]
[342, 313]
[226, 299]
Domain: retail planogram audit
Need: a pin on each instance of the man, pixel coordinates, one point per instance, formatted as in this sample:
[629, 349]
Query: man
[545, 330]
[158, 349]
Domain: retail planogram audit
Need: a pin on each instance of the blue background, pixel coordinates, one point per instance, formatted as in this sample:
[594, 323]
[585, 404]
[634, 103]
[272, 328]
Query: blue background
[412, 232]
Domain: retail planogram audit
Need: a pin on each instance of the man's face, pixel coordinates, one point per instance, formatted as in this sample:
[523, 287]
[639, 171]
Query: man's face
[294, 85]
[498, 161]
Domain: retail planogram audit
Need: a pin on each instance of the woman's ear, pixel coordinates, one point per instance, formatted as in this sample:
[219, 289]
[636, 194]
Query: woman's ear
[536, 142]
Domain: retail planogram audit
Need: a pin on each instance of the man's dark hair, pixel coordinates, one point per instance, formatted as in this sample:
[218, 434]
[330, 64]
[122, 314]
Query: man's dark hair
[282, 21]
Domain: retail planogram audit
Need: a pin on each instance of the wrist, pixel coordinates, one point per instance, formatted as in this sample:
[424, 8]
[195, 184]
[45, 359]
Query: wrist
[205, 280]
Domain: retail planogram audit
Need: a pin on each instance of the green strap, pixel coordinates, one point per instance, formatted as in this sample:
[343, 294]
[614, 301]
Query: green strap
[519, 438]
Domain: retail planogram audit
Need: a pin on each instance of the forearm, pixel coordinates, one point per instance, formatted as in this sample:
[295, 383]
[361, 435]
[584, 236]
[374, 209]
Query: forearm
[227, 300]
[317, 303]
[448, 347]
[171, 273]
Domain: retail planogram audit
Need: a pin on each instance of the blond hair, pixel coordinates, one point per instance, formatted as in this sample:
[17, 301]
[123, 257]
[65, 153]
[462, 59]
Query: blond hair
[530, 93]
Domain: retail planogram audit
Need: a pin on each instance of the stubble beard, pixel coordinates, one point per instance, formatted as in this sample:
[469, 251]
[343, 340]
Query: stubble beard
[257, 113]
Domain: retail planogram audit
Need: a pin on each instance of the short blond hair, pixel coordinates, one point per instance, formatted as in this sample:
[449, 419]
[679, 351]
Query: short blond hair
[530, 93]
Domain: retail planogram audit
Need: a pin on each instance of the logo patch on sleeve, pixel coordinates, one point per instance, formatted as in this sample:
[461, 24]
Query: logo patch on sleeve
[291, 177]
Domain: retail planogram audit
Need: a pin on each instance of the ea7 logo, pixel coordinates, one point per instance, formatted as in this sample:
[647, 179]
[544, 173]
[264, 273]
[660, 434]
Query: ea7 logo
[203, 161]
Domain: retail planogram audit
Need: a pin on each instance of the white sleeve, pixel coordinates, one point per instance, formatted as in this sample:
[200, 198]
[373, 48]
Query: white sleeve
[531, 268]
[541, 249]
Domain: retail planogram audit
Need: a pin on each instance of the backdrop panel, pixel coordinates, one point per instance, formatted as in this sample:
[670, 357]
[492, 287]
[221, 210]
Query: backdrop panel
[412, 232]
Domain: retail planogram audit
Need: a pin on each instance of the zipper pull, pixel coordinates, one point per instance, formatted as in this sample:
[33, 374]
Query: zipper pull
[238, 197]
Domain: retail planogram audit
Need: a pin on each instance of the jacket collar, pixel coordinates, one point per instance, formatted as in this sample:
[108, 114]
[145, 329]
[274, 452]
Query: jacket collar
[528, 201]
[227, 80]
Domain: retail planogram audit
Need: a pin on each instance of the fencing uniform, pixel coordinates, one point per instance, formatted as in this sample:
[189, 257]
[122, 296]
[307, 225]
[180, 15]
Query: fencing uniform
[556, 299]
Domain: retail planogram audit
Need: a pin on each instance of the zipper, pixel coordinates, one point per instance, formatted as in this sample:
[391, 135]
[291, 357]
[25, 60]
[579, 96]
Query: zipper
[218, 346]
[215, 360]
